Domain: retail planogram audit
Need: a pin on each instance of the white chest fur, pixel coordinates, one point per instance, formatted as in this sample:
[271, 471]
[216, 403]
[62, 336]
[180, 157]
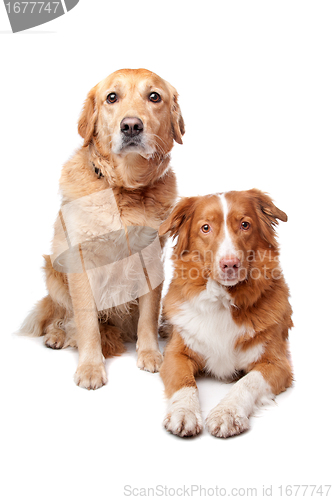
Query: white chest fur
[207, 327]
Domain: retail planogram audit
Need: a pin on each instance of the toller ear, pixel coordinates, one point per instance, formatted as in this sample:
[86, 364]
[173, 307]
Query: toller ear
[177, 121]
[268, 215]
[87, 121]
[179, 223]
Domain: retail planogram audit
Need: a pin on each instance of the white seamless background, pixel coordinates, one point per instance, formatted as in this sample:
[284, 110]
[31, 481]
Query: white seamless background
[255, 81]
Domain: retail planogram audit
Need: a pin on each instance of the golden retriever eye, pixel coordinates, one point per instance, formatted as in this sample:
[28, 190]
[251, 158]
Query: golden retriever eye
[206, 228]
[245, 225]
[155, 97]
[111, 98]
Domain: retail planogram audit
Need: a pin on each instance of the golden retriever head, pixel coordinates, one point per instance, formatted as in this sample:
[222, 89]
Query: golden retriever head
[132, 111]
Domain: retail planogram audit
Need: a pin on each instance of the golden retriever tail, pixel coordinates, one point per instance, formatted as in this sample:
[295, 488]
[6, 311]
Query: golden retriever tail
[50, 308]
[39, 318]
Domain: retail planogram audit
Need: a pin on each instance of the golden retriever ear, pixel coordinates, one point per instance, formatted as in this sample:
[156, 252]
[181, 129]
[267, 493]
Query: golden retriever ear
[177, 121]
[87, 121]
[179, 223]
[268, 215]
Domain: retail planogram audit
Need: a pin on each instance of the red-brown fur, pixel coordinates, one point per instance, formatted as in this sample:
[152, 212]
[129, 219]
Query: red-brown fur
[180, 365]
[261, 305]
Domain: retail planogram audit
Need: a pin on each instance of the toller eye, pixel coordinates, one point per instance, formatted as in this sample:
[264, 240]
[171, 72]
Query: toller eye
[111, 98]
[205, 228]
[154, 97]
[245, 225]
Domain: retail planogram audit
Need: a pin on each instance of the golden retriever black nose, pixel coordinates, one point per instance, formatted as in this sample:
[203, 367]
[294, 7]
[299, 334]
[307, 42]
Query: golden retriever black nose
[131, 126]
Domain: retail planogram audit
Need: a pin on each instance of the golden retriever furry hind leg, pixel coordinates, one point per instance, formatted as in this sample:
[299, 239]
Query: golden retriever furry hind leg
[39, 318]
[50, 312]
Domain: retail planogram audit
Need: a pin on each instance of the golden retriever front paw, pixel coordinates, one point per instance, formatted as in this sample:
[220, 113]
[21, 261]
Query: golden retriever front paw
[90, 376]
[150, 360]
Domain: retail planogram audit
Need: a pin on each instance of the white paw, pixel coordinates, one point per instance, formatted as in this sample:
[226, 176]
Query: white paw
[183, 417]
[90, 376]
[149, 361]
[224, 421]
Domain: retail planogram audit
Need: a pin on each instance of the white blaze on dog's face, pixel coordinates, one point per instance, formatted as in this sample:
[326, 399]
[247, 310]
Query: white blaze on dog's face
[227, 237]
[227, 252]
[221, 230]
[133, 111]
[228, 260]
[247, 236]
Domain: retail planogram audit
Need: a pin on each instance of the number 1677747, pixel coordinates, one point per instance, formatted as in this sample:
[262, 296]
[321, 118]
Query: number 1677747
[30, 7]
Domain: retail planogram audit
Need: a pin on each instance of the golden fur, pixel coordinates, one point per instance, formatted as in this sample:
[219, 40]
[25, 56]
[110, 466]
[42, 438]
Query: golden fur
[144, 187]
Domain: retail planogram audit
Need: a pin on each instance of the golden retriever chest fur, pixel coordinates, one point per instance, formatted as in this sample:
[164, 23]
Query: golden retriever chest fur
[147, 206]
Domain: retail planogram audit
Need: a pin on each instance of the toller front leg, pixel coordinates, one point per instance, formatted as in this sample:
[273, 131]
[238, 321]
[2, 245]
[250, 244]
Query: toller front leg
[231, 416]
[149, 355]
[183, 416]
[90, 372]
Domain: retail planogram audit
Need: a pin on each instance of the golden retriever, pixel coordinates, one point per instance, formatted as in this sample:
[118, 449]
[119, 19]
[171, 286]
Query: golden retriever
[116, 191]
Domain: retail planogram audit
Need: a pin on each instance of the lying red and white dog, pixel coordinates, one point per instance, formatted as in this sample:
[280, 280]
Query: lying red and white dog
[229, 309]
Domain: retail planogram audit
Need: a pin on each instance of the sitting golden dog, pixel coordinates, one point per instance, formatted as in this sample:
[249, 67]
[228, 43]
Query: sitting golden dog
[116, 190]
[228, 305]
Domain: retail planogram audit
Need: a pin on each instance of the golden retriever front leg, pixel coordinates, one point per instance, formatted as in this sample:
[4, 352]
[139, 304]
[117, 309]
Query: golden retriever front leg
[90, 372]
[149, 355]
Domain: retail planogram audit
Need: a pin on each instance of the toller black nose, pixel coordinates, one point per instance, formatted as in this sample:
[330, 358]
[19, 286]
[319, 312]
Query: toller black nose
[131, 126]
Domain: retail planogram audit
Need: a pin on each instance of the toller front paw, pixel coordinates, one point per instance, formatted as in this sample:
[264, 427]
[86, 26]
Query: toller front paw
[149, 361]
[90, 376]
[226, 422]
[183, 416]
[183, 422]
